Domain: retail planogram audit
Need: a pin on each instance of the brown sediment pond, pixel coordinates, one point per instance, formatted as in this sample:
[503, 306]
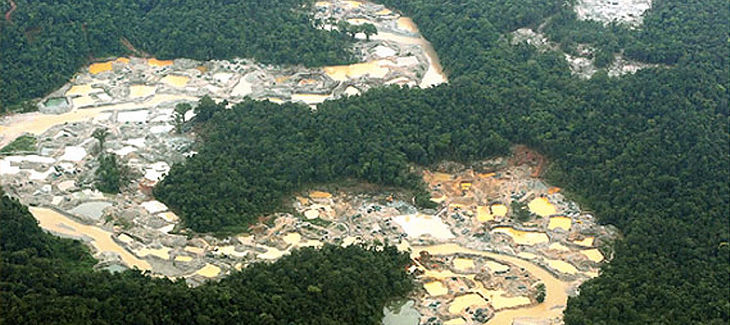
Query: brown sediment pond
[374, 69]
[593, 255]
[523, 237]
[556, 296]
[435, 288]
[542, 207]
[175, 80]
[100, 67]
[101, 240]
[209, 271]
[585, 242]
[159, 63]
[560, 222]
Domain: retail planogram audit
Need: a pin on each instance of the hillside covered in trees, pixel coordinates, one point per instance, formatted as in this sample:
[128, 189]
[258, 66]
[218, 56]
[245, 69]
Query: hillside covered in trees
[47, 41]
[647, 152]
[48, 280]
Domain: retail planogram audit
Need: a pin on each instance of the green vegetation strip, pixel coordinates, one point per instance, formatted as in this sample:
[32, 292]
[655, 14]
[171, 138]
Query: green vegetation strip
[25, 143]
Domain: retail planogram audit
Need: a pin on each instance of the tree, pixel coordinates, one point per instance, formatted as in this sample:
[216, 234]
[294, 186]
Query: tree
[206, 108]
[540, 295]
[369, 30]
[100, 134]
[46, 280]
[111, 174]
[346, 28]
[178, 116]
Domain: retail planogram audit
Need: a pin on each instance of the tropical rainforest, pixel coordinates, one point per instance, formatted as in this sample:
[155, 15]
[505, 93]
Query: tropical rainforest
[48, 280]
[647, 152]
[46, 41]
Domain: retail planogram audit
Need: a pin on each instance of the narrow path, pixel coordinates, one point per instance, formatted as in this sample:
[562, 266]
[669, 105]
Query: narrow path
[13, 6]
[127, 44]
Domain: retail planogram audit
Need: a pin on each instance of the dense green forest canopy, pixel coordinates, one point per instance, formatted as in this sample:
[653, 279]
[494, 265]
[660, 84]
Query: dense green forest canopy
[47, 41]
[48, 280]
[647, 152]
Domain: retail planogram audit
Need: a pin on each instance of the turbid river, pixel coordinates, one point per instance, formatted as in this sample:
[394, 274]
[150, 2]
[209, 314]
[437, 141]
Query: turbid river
[100, 239]
[556, 296]
[435, 74]
[36, 123]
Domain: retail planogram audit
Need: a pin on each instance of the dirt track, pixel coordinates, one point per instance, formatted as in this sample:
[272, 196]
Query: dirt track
[13, 6]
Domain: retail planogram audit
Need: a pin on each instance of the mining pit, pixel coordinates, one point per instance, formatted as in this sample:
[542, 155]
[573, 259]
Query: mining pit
[500, 242]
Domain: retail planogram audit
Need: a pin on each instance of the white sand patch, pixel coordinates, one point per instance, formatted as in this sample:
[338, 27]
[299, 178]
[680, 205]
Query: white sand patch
[406, 61]
[125, 151]
[311, 214]
[384, 51]
[351, 91]
[166, 229]
[349, 240]
[359, 21]
[161, 119]
[154, 206]
[66, 185]
[627, 11]
[132, 116]
[34, 175]
[104, 97]
[74, 154]
[417, 225]
[137, 142]
[222, 77]
[161, 128]
[242, 88]
[67, 167]
[190, 114]
[103, 117]
[155, 171]
[7, 168]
